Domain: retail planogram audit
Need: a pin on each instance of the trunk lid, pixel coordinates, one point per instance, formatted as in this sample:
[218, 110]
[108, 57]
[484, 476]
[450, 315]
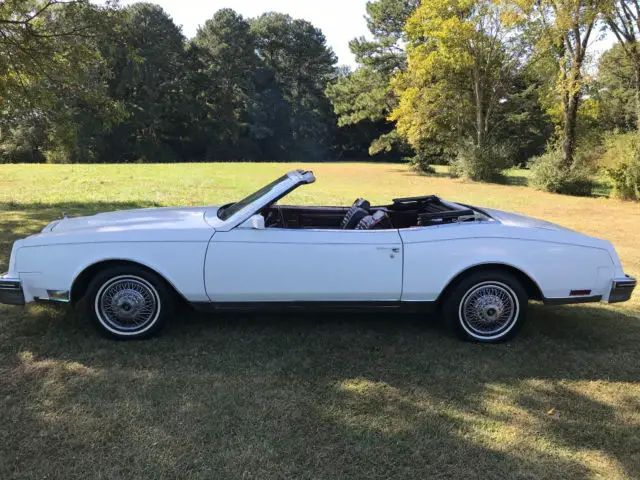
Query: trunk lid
[517, 220]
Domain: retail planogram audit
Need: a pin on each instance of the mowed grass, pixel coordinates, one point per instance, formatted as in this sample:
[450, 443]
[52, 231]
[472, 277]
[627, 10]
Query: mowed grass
[310, 395]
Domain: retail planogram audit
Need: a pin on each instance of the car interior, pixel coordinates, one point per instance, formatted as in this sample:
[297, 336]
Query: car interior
[402, 213]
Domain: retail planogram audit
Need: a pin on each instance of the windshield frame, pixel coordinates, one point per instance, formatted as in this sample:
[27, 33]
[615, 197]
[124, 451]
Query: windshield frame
[229, 210]
[295, 179]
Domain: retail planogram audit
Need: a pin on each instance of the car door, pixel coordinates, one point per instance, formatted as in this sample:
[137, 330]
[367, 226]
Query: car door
[248, 264]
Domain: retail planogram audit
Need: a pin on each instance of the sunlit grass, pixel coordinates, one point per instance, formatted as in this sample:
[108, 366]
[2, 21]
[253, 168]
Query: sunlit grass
[313, 396]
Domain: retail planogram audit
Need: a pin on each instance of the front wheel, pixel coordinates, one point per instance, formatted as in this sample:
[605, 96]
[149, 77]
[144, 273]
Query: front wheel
[486, 306]
[129, 303]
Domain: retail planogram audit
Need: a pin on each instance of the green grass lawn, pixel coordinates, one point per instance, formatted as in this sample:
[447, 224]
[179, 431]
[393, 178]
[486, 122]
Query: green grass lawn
[313, 396]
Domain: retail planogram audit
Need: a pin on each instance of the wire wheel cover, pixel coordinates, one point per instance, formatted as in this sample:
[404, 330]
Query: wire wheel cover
[489, 308]
[128, 303]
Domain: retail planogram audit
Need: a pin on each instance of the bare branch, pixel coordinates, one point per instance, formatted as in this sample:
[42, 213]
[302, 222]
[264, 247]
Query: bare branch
[585, 40]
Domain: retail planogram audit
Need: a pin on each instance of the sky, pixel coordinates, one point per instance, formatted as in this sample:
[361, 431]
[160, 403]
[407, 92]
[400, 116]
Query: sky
[339, 20]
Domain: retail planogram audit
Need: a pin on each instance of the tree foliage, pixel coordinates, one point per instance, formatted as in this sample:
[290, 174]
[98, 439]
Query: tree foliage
[50, 70]
[365, 95]
[225, 48]
[615, 90]
[623, 19]
[148, 56]
[460, 85]
[302, 64]
[561, 30]
[47, 42]
[386, 21]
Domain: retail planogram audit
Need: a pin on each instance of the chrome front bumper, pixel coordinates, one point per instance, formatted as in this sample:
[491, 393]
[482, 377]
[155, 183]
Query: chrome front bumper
[11, 291]
[622, 289]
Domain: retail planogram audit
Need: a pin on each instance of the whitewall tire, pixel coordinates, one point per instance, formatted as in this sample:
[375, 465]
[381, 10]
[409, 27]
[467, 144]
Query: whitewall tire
[129, 302]
[486, 306]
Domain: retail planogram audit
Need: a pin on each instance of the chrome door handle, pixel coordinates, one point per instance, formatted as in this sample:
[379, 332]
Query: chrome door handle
[393, 249]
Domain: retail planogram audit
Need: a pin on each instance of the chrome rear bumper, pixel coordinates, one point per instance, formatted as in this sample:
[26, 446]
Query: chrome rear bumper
[622, 289]
[11, 291]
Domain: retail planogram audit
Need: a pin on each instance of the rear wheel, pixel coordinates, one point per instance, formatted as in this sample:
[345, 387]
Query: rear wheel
[486, 306]
[129, 302]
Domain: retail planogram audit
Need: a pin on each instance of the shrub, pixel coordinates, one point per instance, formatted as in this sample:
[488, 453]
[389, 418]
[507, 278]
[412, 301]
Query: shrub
[421, 162]
[626, 179]
[548, 175]
[22, 144]
[621, 163]
[57, 155]
[21, 155]
[481, 164]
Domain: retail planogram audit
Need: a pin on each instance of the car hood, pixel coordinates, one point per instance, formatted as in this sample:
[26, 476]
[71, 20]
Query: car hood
[146, 218]
[517, 220]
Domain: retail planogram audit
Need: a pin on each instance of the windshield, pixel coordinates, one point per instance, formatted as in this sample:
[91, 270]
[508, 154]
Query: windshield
[229, 210]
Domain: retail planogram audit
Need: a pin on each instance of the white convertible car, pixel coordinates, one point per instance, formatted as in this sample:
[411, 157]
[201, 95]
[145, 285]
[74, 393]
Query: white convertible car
[478, 266]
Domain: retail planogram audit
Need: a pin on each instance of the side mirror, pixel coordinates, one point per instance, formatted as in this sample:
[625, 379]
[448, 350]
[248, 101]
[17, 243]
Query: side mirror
[256, 222]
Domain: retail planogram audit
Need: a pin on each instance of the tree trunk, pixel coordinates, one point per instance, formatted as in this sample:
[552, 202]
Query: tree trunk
[480, 118]
[636, 69]
[480, 137]
[571, 102]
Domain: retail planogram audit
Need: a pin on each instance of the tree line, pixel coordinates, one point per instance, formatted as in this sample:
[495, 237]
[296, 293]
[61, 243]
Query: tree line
[87, 83]
[479, 84]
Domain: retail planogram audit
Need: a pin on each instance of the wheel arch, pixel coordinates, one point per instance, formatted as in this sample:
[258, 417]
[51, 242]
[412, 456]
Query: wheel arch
[534, 292]
[81, 281]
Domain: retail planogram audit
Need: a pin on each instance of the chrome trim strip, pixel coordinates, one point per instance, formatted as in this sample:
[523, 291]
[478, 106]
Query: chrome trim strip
[622, 289]
[626, 282]
[59, 296]
[8, 283]
[571, 300]
[11, 291]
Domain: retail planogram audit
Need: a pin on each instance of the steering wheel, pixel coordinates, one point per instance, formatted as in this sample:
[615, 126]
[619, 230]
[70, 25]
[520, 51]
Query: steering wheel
[275, 219]
[271, 220]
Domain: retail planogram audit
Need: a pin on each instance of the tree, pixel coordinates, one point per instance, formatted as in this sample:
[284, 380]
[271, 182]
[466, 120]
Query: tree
[562, 29]
[615, 89]
[386, 21]
[459, 72]
[148, 62]
[364, 96]
[269, 116]
[50, 66]
[226, 49]
[520, 120]
[47, 40]
[623, 18]
[302, 64]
